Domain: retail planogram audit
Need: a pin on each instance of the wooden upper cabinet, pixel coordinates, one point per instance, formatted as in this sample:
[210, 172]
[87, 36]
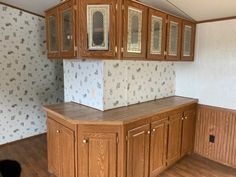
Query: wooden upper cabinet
[188, 40]
[53, 40]
[135, 30]
[138, 151]
[173, 45]
[188, 131]
[156, 35]
[174, 137]
[67, 30]
[97, 28]
[158, 147]
[98, 155]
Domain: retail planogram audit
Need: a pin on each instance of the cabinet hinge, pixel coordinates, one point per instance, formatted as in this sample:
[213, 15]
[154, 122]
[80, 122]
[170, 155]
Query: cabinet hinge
[75, 7]
[122, 49]
[75, 48]
[117, 139]
[126, 138]
[116, 49]
[165, 52]
[116, 6]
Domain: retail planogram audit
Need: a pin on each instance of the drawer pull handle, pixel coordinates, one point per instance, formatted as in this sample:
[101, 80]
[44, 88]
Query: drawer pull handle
[85, 141]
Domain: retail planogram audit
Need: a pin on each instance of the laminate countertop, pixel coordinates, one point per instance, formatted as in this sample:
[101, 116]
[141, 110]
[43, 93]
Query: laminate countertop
[79, 114]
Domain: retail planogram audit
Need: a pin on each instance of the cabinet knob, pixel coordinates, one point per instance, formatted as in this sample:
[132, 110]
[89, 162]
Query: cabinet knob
[154, 130]
[58, 131]
[186, 117]
[148, 132]
[85, 141]
[182, 118]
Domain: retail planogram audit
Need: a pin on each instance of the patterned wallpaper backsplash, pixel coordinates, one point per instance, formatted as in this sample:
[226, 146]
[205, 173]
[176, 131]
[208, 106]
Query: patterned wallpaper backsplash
[27, 78]
[107, 84]
[131, 82]
[83, 80]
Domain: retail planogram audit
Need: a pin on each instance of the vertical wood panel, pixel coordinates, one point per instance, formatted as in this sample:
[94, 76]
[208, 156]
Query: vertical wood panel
[221, 123]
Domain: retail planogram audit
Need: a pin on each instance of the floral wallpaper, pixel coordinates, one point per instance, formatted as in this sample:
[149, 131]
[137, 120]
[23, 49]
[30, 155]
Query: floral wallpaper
[108, 84]
[27, 78]
[83, 80]
[131, 82]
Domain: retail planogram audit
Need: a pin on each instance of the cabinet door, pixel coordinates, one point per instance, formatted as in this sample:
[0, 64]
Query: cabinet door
[98, 28]
[135, 30]
[67, 32]
[173, 38]
[67, 152]
[98, 155]
[174, 137]
[156, 35]
[188, 131]
[188, 40]
[53, 147]
[158, 147]
[52, 25]
[138, 152]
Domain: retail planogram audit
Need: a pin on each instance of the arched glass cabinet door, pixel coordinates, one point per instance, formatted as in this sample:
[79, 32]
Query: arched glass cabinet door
[98, 27]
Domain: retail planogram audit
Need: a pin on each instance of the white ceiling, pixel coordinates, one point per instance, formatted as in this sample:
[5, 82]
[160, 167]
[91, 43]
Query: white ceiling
[198, 10]
[36, 6]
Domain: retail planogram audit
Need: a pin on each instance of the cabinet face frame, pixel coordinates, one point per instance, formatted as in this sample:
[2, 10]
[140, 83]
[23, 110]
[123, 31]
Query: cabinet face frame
[192, 42]
[111, 53]
[177, 21]
[67, 6]
[139, 8]
[163, 17]
[53, 54]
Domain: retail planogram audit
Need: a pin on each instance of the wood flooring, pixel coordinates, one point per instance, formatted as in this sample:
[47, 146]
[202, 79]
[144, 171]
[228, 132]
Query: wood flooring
[32, 154]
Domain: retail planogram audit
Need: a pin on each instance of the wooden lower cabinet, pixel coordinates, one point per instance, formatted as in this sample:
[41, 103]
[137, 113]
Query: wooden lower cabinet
[61, 148]
[138, 151]
[143, 148]
[174, 137]
[158, 147]
[188, 130]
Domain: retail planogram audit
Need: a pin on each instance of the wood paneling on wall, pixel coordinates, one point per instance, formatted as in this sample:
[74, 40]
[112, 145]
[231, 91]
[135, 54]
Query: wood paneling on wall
[221, 123]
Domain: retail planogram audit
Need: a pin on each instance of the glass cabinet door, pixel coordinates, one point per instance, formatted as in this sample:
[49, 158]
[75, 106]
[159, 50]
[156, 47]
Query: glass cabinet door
[67, 32]
[156, 35]
[188, 37]
[52, 33]
[98, 27]
[173, 38]
[135, 30]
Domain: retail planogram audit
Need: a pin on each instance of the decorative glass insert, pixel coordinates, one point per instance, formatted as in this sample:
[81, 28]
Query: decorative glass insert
[156, 35]
[134, 40]
[67, 42]
[187, 40]
[98, 27]
[53, 34]
[173, 39]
